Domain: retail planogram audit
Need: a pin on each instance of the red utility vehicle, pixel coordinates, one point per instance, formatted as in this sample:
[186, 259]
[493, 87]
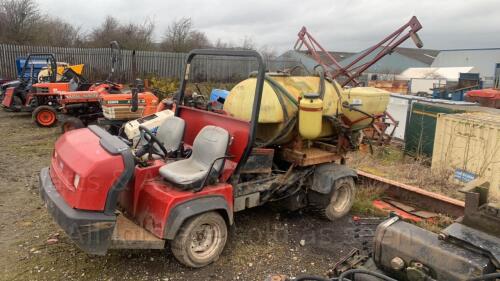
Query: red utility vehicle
[201, 168]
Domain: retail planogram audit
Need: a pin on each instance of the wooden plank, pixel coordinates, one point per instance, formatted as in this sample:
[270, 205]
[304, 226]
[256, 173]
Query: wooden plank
[308, 156]
[128, 235]
[422, 198]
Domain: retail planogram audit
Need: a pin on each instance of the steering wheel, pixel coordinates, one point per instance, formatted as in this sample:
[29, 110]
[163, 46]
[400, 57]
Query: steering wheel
[113, 84]
[151, 141]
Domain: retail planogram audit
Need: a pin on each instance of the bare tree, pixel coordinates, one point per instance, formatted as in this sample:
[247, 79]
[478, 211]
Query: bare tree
[219, 44]
[175, 38]
[130, 36]
[55, 32]
[17, 18]
[180, 37]
[22, 23]
[197, 40]
[267, 52]
[248, 43]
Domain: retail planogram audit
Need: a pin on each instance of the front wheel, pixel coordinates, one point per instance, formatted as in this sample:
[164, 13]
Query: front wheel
[200, 240]
[341, 198]
[45, 116]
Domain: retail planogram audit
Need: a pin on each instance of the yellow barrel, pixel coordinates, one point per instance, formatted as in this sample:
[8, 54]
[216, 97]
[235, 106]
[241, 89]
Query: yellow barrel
[368, 99]
[239, 102]
[310, 116]
[279, 110]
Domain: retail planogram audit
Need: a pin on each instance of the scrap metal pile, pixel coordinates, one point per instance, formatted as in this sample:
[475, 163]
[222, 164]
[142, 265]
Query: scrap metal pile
[468, 249]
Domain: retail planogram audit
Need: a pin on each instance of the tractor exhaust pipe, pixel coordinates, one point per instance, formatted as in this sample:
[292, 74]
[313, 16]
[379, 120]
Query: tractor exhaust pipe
[138, 88]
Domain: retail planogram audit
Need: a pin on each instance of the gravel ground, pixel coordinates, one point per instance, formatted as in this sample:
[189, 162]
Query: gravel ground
[262, 241]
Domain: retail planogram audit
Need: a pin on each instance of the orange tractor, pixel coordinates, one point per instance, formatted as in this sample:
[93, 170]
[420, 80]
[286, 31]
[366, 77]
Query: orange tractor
[109, 104]
[39, 94]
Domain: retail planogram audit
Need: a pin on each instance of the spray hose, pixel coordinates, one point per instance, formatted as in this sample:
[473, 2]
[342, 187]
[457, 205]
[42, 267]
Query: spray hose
[282, 90]
[289, 122]
[351, 107]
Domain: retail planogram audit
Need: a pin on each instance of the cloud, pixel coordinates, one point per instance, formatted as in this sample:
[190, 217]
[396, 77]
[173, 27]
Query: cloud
[345, 25]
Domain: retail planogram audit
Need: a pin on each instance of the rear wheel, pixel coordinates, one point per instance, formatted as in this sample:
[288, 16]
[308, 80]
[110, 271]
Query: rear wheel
[200, 240]
[72, 123]
[45, 116]
[341, 198]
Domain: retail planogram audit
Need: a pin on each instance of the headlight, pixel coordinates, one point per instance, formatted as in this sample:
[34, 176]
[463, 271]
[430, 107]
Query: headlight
[76, 180]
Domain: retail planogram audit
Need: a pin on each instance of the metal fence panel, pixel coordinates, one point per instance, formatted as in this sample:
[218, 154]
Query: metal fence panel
[149, 63]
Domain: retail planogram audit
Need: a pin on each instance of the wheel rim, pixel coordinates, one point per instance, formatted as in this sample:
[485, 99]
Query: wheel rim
[205, 240]
[340, 199]
[46, 117]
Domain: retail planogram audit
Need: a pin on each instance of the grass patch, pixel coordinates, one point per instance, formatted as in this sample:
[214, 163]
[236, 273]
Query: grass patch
[436, 224]
[390, 162]
[364, 198]
[389, 155]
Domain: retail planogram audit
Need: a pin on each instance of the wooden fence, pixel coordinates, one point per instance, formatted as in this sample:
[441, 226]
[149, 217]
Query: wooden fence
[162, 64]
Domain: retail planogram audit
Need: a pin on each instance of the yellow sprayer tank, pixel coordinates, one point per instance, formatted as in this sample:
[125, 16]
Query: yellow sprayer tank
[368, 99]
[310, 116]
[280, 104]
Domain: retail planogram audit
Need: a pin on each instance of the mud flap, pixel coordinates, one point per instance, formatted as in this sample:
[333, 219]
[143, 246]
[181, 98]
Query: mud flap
[8, 97]
[325, 176]
[185, 210]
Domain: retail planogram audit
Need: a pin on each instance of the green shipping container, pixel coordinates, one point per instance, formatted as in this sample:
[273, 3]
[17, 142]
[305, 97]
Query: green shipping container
[421, 127]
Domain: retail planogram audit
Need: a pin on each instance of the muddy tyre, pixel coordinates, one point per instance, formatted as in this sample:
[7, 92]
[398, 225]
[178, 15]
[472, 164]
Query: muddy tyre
[71, 123]
[200, 240]
[45, 116]
[341, 198]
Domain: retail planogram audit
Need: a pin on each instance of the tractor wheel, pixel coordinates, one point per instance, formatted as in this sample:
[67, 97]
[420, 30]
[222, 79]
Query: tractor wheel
[341, 198]
[200, 240]
[45, 116]
[72, 123]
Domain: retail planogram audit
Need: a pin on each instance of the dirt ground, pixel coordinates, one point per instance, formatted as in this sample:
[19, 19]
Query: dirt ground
[261, 242]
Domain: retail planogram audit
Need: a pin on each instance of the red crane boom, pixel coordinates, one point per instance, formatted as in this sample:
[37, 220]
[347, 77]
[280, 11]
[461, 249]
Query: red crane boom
[352, 71]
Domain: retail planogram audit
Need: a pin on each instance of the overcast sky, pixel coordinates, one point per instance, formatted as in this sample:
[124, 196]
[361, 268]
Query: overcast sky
[340, 25]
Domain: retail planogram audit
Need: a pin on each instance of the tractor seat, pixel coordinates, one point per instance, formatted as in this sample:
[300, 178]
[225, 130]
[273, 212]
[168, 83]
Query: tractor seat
[170, 133]
[207, 159]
